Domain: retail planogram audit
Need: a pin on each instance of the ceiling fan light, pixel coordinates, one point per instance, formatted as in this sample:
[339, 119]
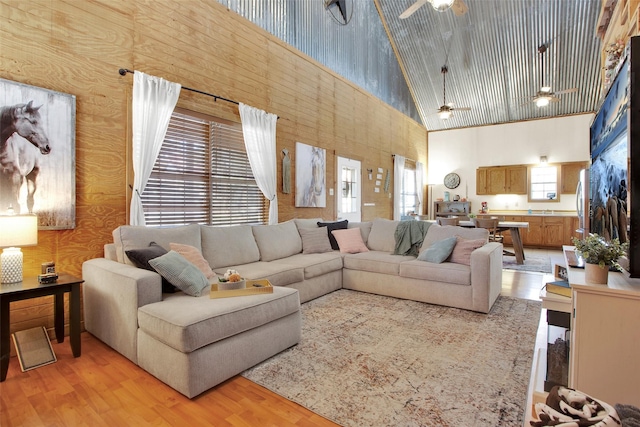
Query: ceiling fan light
[542, 101]
[445, 114]
[441, 5]
[545, 89]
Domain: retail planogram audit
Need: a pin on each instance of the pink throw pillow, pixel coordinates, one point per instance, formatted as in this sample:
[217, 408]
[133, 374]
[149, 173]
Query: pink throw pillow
[462, 250]
[350, 240]
[194, 256]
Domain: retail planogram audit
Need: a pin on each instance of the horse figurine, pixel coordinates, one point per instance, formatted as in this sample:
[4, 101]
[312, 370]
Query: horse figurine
[19, 162]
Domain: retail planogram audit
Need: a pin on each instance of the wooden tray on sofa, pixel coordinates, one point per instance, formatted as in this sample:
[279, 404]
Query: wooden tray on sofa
[253, 287]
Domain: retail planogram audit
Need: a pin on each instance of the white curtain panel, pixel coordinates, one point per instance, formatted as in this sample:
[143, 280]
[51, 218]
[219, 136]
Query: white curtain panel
[259, 130]
[398, 175]
[419, 186]
[153, 102]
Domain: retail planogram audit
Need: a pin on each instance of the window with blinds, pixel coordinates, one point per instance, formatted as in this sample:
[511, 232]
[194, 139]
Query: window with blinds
[202, 175]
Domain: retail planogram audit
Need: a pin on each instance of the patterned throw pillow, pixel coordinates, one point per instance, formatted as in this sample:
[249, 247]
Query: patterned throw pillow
[350, 241]
[462, 251]
[438, 251]
[193, 255]
[315, 240]
[181, 273]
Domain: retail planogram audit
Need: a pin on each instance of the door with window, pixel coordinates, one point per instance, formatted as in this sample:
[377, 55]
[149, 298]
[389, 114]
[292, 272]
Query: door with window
[349, 181]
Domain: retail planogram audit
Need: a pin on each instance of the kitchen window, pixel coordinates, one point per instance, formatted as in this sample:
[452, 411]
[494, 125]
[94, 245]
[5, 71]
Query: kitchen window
[202, 175]
[543, 184]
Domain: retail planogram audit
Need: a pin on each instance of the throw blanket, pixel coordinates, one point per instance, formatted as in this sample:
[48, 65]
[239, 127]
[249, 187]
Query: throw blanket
[409, 236]
[566, 407]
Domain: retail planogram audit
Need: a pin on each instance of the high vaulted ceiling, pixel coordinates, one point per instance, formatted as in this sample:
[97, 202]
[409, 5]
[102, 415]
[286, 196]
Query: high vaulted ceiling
[493, 61]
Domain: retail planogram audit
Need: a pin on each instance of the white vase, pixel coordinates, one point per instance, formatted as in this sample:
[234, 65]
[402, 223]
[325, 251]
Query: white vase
[596, 275]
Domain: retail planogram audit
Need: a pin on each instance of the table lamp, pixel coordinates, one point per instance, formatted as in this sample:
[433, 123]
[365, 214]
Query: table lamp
[15, 230]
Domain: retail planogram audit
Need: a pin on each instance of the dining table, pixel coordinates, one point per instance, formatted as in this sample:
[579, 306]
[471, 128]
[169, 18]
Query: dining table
[513, 227]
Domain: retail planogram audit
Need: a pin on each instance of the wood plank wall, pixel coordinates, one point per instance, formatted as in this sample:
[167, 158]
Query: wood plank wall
[77, 47]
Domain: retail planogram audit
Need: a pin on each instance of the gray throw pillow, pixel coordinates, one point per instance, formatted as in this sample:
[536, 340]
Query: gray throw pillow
[315, 240]
[438, 251]
[180, 273]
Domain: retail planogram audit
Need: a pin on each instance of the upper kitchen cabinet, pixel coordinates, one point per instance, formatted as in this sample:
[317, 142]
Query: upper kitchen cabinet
[501, 180]
[569, 175]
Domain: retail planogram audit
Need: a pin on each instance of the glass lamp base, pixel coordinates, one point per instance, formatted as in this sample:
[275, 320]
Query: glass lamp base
[11, 260]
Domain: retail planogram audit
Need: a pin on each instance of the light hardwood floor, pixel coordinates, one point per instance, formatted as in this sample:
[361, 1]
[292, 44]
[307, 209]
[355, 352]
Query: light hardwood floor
[102, 388]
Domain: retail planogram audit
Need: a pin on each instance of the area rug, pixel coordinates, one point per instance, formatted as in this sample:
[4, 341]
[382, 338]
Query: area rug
[540, 263]
[370, 360]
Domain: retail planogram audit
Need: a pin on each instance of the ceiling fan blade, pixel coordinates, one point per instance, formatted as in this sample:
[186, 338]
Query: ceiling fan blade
[411, 9]
[561, 92]
[459, 7]
[462, 108]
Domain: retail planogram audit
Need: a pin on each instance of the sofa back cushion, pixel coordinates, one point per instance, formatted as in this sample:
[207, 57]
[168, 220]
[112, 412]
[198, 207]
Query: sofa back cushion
[277, 241]
[226, 246]
[128, 237]
[365, 229]
[307, 222]
[440, 232]
[383, 235]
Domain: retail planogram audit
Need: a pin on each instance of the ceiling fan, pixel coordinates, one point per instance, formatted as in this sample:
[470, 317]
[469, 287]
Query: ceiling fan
[458, 7]
[446, 110]
[545, 95]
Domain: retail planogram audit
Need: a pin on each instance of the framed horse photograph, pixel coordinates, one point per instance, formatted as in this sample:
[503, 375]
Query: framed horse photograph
[37, 154]
[310, 176]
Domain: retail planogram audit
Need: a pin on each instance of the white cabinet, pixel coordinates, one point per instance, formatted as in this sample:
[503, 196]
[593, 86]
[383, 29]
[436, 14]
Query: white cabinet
[605, 347]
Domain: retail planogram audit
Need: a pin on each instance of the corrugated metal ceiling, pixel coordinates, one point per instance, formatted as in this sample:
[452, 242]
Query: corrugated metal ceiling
[491, 53]
[493, 59]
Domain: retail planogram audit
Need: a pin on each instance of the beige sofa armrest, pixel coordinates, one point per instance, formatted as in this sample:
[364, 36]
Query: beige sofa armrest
[486, 275]
[112, 293]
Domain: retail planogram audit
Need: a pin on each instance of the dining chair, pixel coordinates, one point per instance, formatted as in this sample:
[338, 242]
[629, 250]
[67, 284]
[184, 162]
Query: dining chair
[454, 220]
[490, 224]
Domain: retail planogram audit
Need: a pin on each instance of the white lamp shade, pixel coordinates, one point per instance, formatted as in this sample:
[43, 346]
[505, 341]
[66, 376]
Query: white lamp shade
[18, 230]
[441, 5]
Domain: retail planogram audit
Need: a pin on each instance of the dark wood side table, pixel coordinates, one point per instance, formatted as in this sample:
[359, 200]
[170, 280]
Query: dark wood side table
[31, 288]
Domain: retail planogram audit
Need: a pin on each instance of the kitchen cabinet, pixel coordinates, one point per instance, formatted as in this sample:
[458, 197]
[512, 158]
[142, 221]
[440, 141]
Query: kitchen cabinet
[501, 180]
[481, 182]
[569, 176]
[544, 230]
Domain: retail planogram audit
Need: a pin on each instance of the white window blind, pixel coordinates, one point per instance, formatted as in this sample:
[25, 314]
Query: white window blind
[202, 175]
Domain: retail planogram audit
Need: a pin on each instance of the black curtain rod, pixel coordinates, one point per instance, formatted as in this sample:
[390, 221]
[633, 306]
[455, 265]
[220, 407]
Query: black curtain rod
[124, 71]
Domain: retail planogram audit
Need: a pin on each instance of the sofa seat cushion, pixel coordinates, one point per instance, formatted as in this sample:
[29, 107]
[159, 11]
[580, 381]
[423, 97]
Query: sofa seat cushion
[279, 274]
[376, 262]
[448, 272]
[316, 264]
[187, 323]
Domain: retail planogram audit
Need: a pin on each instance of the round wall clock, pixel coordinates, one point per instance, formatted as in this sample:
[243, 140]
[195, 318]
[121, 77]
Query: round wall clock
[452, 180]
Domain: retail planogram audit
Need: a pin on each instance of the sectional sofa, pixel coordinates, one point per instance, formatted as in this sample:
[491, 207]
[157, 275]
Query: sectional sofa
[193, 343]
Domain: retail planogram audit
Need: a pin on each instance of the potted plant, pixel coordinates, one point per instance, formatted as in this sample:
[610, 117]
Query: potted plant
[599, 255]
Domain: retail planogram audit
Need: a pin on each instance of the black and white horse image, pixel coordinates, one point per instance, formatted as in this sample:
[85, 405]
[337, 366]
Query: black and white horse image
[19, 162]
